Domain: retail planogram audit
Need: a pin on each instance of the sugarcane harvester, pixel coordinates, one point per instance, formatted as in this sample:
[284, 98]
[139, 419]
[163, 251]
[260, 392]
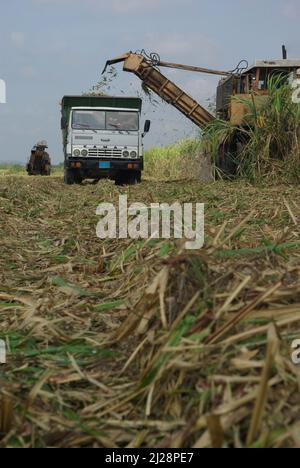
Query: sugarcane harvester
[245, 82]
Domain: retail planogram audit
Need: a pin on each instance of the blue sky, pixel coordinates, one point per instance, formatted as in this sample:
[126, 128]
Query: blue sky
[49, 48]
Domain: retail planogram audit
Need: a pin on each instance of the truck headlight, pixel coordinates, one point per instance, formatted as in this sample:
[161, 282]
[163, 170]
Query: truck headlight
[133, 154]
[84, 152]
[125, 154]
[76, 153]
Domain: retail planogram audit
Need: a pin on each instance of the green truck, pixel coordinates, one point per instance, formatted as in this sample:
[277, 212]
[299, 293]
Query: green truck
[102, 138]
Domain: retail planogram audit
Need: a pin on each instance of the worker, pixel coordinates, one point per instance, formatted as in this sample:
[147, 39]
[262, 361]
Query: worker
[39, 161]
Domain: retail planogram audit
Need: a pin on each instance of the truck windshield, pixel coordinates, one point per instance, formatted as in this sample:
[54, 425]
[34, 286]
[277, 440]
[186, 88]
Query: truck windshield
[105, 120]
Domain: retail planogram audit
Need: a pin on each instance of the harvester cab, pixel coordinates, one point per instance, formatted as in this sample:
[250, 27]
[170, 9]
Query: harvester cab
[251, 84]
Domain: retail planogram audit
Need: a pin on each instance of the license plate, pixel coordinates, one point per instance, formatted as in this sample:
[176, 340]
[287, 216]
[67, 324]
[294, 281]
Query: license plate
[104, 165]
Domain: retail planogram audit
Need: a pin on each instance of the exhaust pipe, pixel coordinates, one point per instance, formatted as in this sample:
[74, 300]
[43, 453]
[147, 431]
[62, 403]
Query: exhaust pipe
[284, 53]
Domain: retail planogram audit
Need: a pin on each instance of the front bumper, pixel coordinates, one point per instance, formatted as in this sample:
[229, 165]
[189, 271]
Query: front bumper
[90, 168]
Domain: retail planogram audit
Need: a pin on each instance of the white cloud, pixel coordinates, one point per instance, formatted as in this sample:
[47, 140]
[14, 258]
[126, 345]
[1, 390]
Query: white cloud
[18, 39]
[28, 72]
[170, 45]
[119, 6]
[184, 48]
[291, 10]
[57, 47]
[133, 5]
[200, 88]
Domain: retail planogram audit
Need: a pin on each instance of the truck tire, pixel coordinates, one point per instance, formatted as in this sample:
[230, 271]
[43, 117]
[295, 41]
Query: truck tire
[226, 160]
[138, 177]
[71, 177]
[46, 171]
[133, 178]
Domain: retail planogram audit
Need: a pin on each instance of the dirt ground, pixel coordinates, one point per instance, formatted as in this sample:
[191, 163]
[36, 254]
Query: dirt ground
[123, 343]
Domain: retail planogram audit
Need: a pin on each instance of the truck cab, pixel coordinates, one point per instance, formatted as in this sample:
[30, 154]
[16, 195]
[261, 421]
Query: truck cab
[102, 138]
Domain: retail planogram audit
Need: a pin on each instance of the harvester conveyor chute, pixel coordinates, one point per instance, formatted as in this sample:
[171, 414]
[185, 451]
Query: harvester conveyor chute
[163, 87]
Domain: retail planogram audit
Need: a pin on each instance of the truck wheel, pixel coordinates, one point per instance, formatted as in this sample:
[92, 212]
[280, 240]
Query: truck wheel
[78, 179]
[139, 177]
[47, 171]
[226, 161]
[134, 178]
[69, 178]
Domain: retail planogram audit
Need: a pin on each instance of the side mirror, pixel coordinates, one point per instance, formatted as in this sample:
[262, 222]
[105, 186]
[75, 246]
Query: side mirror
[64, 123]
[147, 126]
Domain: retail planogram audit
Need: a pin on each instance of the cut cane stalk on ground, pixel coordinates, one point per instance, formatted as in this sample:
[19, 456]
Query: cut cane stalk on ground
[102, 333]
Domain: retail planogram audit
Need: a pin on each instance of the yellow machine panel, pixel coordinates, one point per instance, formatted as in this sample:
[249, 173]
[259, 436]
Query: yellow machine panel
[239, 112]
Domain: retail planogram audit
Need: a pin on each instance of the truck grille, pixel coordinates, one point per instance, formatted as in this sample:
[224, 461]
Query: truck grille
[105, 153]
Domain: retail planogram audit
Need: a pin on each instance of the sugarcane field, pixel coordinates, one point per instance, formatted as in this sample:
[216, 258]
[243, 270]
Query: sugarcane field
[150, 228]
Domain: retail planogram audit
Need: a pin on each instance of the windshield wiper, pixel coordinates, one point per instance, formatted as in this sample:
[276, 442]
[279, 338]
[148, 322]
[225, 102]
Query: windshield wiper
[83, 126]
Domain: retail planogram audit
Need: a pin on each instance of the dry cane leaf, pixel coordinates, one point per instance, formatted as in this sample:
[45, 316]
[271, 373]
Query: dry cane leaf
[6, 415]
[215, 430]
[262, 394]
